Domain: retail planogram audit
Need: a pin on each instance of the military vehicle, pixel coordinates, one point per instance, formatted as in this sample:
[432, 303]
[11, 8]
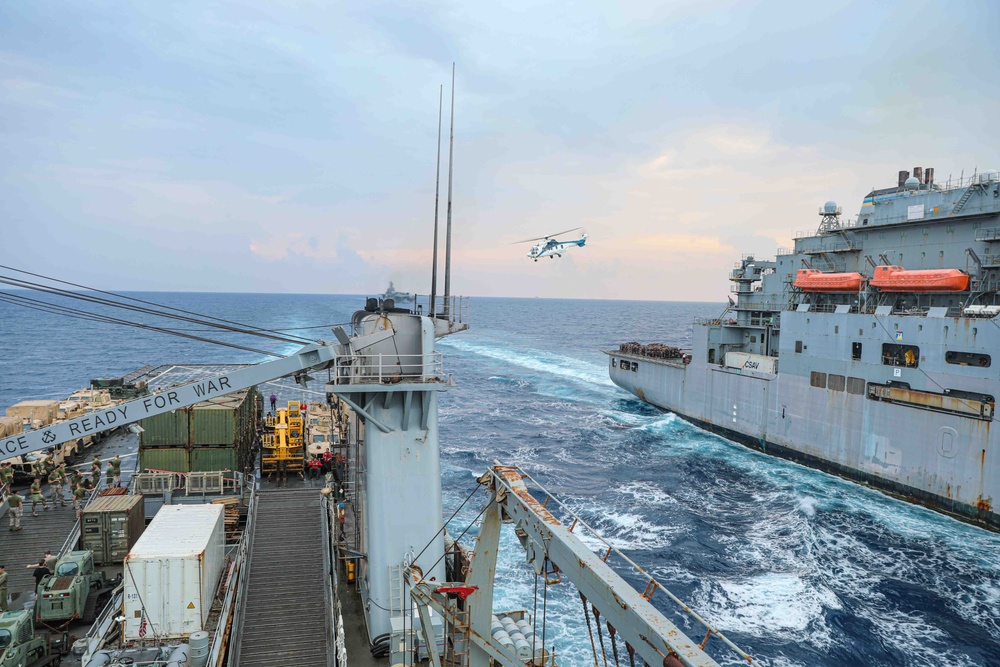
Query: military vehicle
[74, 591]
[19, 647]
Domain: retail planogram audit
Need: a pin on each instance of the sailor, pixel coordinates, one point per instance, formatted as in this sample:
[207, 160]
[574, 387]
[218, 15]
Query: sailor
[55, 488]
[314, 468]
[274, 402]
[15, 505]
[79, 498]
[36, 496]
[3, 588]
[48, 464]
[50, 561]
[37, 468]
[40, 571]
[75, 480]
[95, 469]
[327, 458]
[63, 480]
[329, 479]
[6, 473]
[115, 470]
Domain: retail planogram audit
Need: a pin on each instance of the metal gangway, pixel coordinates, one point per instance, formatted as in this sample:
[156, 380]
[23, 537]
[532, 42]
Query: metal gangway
[287, 615]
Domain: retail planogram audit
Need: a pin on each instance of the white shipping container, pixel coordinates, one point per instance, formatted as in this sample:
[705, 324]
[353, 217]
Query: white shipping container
[173, 571]
[752, 362]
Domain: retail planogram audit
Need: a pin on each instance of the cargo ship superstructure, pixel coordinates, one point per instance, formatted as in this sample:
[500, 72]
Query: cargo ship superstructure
[866, 350]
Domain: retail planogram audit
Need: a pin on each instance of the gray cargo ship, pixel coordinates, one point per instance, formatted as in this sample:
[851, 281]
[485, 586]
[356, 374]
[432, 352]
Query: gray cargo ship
[865, 350]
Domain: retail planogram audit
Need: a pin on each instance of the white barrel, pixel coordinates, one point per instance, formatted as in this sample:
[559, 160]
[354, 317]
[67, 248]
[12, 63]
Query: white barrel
[523, 650]
[498, 630]
[505, 640]
[198, 641]
[541, 655]
[516, 636]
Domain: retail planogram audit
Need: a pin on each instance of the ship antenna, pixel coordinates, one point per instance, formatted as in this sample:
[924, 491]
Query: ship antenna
[437, 199]
[451, 156]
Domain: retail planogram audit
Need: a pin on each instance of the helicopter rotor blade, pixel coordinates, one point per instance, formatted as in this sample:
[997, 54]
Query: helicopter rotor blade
[545, 238]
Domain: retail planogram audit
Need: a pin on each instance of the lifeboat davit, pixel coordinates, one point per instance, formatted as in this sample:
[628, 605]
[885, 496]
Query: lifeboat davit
[814, 280]
[898, 279]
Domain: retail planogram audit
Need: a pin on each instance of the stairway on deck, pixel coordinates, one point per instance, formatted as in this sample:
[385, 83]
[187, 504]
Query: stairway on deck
[286, 620]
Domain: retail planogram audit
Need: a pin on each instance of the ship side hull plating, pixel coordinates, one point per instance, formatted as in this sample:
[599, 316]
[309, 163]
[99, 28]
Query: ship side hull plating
[939, 458]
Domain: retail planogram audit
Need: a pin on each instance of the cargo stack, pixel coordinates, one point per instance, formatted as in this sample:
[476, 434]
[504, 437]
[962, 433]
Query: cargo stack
[217, 434]
[111, 525]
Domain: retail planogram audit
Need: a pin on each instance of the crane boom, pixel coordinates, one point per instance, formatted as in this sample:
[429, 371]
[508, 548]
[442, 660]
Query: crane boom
[315, 356]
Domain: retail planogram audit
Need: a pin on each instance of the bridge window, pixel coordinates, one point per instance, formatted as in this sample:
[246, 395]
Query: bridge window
[856, 351]
[817, 379]
[855, 386]
[968, 359]
[900, 355]
[835, 382]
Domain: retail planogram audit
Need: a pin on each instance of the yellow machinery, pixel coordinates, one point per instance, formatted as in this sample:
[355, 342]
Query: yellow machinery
[283, 449]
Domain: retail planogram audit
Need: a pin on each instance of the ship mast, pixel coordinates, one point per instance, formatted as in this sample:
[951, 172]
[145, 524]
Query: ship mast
[437, 199]
[451, 164]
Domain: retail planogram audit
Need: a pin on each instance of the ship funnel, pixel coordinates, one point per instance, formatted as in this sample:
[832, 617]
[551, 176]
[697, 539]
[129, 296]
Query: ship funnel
[903, 175]
[918, 173]
[929, 175]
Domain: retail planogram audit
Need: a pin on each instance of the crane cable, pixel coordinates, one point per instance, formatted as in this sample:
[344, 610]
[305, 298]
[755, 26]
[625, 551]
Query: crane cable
[150, 303]
[73, 313]
[24, 284]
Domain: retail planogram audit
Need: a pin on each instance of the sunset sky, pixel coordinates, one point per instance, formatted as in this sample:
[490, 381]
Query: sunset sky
[268, 146]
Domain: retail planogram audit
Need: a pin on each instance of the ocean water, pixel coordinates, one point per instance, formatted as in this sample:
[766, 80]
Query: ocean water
[794, 565]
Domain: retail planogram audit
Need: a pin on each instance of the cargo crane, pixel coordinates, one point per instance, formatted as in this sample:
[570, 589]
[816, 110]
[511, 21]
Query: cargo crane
[390, 374]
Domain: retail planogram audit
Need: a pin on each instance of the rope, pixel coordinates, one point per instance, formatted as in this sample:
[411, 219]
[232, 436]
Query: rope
[590, 633]
[631, 654]
[534, 617]
[545, 599]
[614, 644]
[600, 637]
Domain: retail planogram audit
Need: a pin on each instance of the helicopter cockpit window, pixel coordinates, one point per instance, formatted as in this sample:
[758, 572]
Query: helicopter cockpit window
[67, 570]
[4, 638]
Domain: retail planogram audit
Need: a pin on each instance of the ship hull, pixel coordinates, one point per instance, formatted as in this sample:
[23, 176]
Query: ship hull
[938, 459]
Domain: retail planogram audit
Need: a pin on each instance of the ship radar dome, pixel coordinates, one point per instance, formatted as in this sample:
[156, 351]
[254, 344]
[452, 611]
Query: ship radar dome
[830, 208]
[912, 183]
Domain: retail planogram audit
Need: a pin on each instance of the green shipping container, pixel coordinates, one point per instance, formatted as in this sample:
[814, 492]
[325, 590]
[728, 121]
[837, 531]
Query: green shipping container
[167, 430]
[174, 459]
[208, 459]
[225, 420]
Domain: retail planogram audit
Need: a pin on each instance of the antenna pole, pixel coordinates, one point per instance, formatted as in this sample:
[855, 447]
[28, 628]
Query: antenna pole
[451, 164]
[437, 199]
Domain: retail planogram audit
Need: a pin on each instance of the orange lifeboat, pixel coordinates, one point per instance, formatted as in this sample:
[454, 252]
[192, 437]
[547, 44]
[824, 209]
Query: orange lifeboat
[814, 280]
[898, 279]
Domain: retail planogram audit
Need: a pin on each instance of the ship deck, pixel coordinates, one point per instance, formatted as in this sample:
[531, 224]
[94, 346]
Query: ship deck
[288, 615]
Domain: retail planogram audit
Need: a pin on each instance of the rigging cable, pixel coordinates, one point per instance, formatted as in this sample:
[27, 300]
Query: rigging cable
[150, 303]
[600, 637]
[586, 617]
[16, 282]
[47, 307]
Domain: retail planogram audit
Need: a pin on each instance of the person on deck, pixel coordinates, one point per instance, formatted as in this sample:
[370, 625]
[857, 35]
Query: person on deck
[37, 497]
[55, 488]
[15, 505]
[274, 402]
[79, 498]
[115, 468]
[40, 572]
[314, 468]
[3, 588]
[95, 470]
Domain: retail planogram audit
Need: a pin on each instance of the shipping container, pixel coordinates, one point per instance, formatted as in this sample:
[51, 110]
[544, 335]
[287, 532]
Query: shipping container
[173, 571]
[111, 525]
[223, 420]
[174, 459]
[752, 362]
[43, 411]
[169, 429]
[206, 459]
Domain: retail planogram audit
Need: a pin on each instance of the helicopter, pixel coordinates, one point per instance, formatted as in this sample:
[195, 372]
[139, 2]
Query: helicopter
[552, 247]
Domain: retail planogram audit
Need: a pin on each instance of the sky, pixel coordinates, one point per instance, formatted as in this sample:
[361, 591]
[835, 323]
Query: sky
[286, 146]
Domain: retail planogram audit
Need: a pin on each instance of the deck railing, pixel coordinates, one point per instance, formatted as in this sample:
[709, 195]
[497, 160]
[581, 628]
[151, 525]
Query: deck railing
[389, 368]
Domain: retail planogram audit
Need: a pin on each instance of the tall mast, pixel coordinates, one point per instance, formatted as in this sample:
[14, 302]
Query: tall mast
[451, 164]
[437, 198]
